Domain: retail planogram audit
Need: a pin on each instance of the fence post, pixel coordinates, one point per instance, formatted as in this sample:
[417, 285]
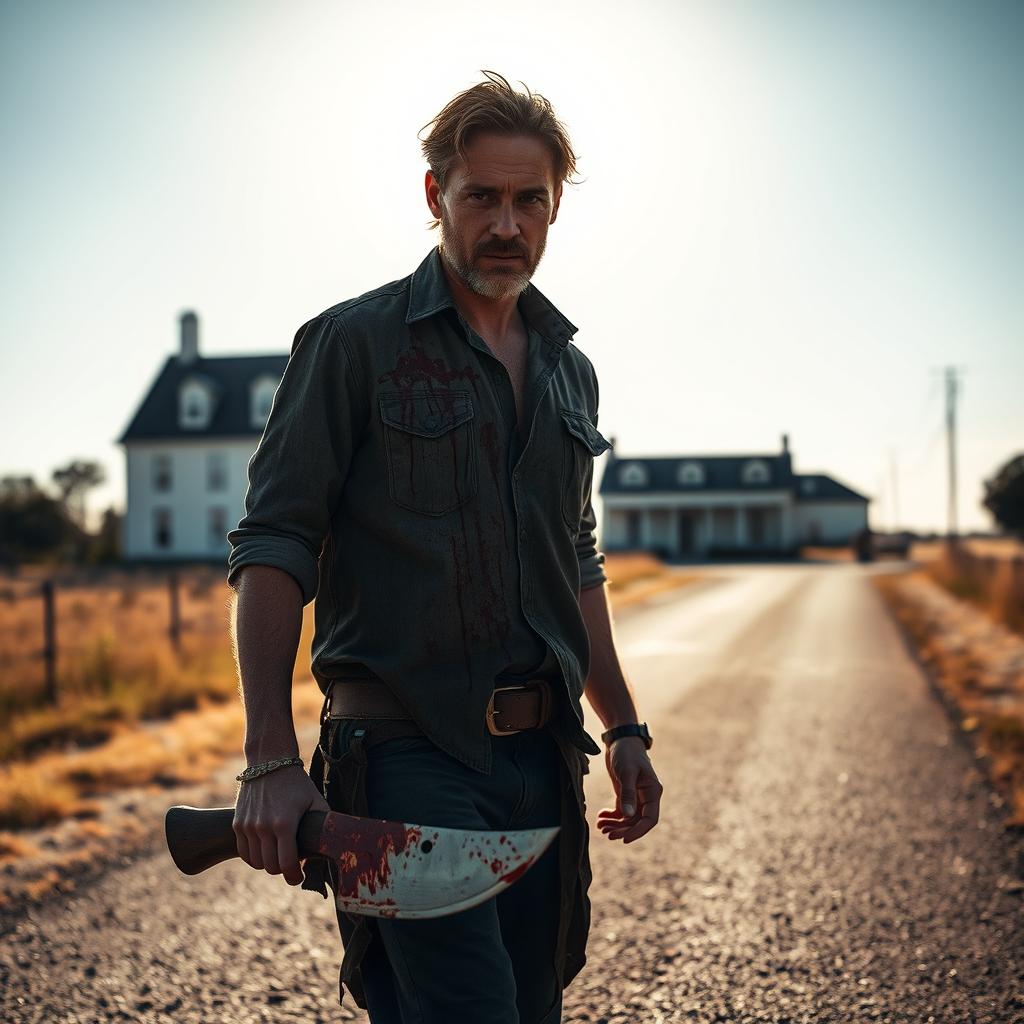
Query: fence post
[50, 641]
[175, 624]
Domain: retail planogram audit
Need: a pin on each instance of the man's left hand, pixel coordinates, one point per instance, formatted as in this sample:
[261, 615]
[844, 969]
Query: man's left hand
[637, 791]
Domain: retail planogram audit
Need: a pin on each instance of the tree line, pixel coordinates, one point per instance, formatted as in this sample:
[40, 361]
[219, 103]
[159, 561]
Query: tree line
[48, 524]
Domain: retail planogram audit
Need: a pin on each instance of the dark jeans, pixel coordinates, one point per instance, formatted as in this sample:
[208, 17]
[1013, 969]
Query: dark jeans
[495, 962]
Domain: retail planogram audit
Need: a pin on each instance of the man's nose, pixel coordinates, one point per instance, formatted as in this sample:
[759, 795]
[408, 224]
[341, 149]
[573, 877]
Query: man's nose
[505, 224]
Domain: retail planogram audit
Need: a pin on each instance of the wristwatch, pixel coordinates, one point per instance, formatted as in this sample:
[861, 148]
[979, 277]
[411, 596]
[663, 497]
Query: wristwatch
[633, 729]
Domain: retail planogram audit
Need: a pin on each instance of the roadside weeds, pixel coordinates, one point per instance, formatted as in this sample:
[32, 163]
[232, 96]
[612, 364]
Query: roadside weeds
[977, 668]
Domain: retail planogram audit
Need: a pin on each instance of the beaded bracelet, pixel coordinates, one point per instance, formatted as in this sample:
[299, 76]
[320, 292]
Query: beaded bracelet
[256, 770]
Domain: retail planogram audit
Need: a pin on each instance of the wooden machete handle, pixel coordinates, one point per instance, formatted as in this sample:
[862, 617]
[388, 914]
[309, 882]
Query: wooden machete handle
[199, 837]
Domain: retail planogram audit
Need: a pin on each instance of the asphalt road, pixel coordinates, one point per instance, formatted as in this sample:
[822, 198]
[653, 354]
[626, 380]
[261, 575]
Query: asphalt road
[827, 852]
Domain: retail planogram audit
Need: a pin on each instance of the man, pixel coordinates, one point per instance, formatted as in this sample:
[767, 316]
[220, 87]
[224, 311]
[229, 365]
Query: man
[426, 473]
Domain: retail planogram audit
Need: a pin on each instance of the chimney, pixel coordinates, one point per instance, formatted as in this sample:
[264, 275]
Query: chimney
[785, 460]
[189, 337]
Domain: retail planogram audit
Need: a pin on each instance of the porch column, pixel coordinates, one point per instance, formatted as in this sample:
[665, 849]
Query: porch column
[787, 525]
[646, 530]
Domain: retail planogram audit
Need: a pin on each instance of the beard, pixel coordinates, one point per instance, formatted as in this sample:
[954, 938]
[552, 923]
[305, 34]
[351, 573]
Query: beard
[496, 281]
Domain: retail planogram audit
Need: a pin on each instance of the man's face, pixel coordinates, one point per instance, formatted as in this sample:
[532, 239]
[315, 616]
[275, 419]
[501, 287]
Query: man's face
[495, 211]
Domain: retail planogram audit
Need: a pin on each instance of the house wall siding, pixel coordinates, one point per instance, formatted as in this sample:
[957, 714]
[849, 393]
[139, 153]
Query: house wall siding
[189, 499]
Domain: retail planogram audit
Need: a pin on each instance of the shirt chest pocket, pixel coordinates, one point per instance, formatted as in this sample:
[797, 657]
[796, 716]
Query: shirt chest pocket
[581, 443]
[431, 449]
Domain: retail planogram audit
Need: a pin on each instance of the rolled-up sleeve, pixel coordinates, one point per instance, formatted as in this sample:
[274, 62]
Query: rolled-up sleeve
[297, 472]
[591, 560]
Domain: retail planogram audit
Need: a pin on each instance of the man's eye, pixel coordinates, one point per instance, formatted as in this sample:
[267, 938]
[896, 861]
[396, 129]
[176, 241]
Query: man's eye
[534, 200]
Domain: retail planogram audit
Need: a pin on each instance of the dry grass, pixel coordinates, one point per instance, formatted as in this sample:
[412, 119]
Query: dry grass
[985, 547]
[989, 573]
[114, 655]
[635, 576]
[184, 749]
[626, 567]
[117, 674]
[980, 669]
[14, 846]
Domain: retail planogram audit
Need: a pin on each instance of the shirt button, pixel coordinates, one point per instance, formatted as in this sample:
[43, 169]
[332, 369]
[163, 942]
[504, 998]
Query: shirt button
[522, 533]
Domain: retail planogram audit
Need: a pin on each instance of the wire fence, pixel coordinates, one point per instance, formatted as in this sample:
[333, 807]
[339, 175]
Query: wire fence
[86, 631]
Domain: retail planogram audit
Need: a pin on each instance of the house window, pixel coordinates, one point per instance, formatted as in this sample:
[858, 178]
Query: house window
[194, 405]
[163, 537]
[808, 486]
[632, 474]
[216, 471]
[162, 477]
[262, 398]
[690, 474]
[218, 524]
[755, 472]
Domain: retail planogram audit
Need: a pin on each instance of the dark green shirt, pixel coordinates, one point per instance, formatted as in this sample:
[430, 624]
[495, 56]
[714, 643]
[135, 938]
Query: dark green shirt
[445, 552]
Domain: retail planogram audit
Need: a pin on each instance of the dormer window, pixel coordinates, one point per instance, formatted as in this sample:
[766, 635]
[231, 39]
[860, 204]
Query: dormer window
[633, 474]
[755, 472]
[261, 397]
[690, 474]
[195, 405]
[808, 486]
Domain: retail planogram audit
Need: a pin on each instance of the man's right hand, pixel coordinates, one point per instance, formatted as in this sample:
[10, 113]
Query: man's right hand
[267, 815]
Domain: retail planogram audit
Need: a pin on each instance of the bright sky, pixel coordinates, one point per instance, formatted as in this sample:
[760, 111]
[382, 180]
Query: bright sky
[794, 214]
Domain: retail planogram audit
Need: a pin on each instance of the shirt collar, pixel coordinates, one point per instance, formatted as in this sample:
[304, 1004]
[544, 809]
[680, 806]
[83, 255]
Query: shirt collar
[429, 294]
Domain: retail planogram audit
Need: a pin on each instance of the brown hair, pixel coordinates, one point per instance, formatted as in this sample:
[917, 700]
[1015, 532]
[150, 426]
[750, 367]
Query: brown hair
[496, 107]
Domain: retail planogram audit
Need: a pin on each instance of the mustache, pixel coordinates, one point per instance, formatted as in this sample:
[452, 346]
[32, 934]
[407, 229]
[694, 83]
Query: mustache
[508, 249]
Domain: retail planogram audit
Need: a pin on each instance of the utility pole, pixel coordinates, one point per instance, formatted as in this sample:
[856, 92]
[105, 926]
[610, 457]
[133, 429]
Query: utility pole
[952, 390]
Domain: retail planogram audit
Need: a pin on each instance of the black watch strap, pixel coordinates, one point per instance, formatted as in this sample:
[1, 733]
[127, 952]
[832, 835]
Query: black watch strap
[633, 729]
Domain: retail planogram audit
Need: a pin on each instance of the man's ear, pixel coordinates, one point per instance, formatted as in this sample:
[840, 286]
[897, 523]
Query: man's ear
[433, 192]
[554, 208]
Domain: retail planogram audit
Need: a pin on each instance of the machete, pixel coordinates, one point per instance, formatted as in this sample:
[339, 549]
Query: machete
[384, 868]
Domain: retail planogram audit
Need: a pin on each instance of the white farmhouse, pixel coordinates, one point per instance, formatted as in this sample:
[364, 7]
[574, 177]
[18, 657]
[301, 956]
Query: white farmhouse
[703, 506]
[188, 447]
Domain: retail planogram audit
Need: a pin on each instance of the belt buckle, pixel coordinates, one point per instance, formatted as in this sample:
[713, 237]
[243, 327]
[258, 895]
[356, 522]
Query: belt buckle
[492, 728]
[540, 685]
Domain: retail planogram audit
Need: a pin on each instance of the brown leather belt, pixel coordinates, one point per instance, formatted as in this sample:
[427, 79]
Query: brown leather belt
[512, 708]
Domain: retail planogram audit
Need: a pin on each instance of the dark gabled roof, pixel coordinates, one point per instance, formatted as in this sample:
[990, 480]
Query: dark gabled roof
[721, 473]
[819, 487]
[157, 416]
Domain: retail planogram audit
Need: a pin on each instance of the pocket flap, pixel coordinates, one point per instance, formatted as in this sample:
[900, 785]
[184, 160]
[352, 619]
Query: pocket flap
[428, 414]
[580, 426]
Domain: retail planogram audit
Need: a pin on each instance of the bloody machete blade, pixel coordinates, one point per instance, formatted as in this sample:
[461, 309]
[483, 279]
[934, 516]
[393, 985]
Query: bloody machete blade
[394, 869]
